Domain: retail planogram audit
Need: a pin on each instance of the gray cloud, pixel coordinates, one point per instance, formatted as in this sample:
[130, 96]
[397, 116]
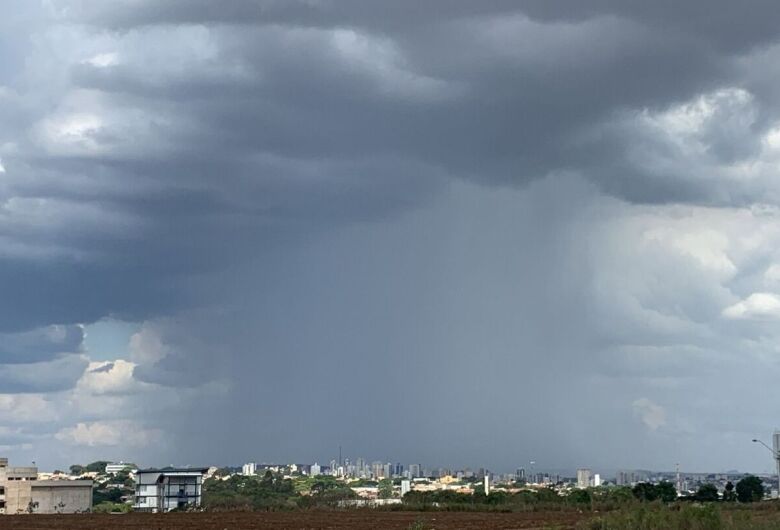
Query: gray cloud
[409, 213]
[40, 344]
[49, 376]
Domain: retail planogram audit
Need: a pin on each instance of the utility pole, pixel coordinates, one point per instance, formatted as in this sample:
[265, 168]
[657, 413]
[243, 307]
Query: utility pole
[775, 454]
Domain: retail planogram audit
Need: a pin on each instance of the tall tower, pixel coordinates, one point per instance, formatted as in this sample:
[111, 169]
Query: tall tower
[583, 478]
[679, 484]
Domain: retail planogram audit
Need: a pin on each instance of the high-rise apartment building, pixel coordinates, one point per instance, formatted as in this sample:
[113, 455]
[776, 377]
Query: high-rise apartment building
[583, 478]
[249, 469]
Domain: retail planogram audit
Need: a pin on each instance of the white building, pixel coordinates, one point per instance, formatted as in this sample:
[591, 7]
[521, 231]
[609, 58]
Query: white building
[406, 487]
[583, 478]
[249, 469]
[315, 470]
[162, 490]
[597, 480]
[116, 467]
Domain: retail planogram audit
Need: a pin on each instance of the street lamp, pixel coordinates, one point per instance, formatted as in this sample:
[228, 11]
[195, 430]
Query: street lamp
[776, 456]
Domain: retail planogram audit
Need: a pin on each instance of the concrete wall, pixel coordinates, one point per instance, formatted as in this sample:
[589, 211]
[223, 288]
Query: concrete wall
[61, 496]
[18, 495]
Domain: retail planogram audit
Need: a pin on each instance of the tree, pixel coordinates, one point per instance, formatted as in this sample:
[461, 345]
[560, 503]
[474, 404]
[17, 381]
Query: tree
[579, 497]
[113, 495]
[98, 466]
[385, 489]
[497, 498]
[707, 493]
[618, 494]
[77, 470]
[644, 491]
[728, 493]
[666, 491]
[750, 489]
[547, 494]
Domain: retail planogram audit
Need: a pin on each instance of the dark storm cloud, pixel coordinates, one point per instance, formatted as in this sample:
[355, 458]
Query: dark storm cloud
[713, 21]
[499, 92]
[40, 344]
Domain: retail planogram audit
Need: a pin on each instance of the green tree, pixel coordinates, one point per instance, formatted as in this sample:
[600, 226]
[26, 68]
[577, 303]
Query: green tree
[644, 491]
[579, 497]
[385, 489]
[728, 493]
[707, 493]
[497, 498]
[113, 495]
[666, 491]
[547, 495]
[77, 470]
[238, 492]
[750, 489]
[97, 467]
[618, 494]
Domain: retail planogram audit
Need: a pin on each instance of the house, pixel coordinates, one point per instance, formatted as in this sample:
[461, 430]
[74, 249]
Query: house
[162, 490]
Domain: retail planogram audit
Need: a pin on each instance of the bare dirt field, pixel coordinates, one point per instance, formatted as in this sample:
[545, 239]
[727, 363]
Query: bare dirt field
[307, 520]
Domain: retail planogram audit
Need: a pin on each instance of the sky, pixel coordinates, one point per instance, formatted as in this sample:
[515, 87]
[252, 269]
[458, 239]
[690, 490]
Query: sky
[448, 232]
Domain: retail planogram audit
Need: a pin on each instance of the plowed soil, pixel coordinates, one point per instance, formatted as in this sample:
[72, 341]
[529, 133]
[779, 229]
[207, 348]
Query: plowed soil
[308, 520]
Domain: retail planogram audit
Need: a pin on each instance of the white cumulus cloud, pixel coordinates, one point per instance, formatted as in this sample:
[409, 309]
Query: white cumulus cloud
[103, 60]
[651, 414]
[108, 433]
[755, 306]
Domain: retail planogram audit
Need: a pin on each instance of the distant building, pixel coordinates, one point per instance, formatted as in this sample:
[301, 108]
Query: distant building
[377, 469]
[162, 490]
[119, 466]
[249, 469]
[597, 480]
[583, 478]
[22, 492]
[625, 478]
[406, 487]
[315, 470]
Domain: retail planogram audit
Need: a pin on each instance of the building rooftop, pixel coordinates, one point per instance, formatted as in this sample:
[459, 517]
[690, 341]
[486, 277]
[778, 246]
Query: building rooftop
[62, 483]
[201, 470]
